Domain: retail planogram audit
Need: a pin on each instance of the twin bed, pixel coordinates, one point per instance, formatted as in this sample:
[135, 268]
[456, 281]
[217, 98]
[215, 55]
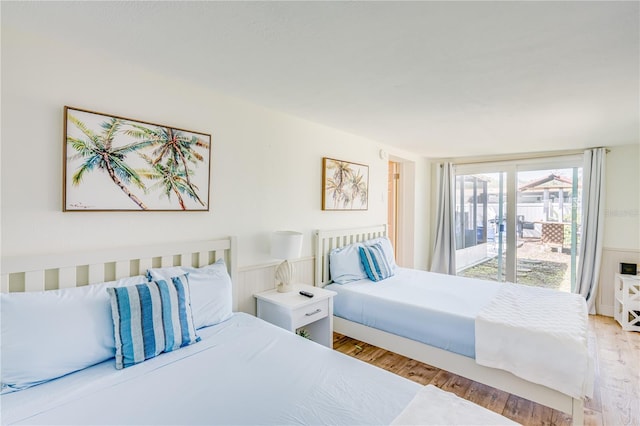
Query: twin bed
[527, 341]
[60, 333]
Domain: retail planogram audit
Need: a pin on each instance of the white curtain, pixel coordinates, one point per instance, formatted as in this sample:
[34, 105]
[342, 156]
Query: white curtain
[444, 249]
[590, 253]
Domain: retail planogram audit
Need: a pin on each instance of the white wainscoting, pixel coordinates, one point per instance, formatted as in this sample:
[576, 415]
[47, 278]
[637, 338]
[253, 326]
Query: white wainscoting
[256, 278]
[611, 259]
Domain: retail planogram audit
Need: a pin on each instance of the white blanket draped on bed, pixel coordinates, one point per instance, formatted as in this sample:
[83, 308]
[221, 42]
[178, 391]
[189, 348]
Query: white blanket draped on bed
[433, 406]
[539, 335]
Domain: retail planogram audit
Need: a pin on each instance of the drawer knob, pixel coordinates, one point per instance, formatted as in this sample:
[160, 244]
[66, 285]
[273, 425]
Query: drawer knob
[317, 311]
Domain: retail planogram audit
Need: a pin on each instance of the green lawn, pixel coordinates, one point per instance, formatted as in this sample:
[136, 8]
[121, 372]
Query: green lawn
[539, 273]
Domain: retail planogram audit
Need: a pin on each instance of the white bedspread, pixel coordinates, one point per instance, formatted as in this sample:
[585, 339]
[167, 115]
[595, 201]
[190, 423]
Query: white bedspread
[245, 371]
[539, 335]
[433, 406]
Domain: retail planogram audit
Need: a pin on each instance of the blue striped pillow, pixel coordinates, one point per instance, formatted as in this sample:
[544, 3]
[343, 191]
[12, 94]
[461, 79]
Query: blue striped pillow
[150, 319]
[375, 262]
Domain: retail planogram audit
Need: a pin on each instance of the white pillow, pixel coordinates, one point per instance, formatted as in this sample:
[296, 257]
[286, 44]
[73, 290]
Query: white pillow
[48, 334]
[211, 291]
[345, 265]
[387, 248]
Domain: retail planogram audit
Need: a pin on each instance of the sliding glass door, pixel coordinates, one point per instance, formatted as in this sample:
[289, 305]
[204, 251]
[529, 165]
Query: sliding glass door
[519, 221]
[481, 203]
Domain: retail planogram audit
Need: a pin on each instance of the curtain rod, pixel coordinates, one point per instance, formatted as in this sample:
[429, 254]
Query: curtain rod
[521, 156]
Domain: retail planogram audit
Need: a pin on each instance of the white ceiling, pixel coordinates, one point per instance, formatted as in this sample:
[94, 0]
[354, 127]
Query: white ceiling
[441, 79]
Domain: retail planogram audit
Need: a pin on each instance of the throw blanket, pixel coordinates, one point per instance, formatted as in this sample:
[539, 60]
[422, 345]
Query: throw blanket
[539, 335]
[433, 406]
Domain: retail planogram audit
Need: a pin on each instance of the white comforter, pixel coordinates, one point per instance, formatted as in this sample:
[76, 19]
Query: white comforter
[539, 335]
[244, 371]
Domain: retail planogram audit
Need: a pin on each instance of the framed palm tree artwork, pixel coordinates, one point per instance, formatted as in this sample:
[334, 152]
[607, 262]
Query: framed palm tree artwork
[345, 185]
[113, 163]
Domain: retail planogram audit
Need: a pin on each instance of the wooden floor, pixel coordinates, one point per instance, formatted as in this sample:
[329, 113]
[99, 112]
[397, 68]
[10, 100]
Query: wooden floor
[616, 398]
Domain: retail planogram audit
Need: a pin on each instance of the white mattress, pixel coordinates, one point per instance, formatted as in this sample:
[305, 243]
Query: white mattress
[244, 371]
[435, 309]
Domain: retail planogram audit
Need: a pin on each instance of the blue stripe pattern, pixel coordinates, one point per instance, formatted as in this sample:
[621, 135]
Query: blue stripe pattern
[148, 335]
[166, 315]
[375, 263]
[150, 319]
[184, 323]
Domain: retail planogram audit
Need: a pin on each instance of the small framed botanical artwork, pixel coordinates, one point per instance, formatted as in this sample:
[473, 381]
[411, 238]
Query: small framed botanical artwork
[113, 163]
[345, 185]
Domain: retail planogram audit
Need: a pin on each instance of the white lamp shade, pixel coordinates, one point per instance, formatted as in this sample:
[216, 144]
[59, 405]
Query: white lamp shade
[286, 244]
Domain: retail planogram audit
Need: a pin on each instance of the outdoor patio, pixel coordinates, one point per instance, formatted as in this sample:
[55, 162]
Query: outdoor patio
[538, 265]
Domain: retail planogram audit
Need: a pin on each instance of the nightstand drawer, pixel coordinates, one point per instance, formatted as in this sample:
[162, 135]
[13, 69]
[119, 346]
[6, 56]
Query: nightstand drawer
[292, 311]
[310, 313]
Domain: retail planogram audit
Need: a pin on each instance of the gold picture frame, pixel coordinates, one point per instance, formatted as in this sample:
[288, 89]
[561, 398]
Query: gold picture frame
[345, 185]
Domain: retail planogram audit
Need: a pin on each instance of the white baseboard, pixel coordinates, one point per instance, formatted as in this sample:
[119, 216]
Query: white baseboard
[606, 310]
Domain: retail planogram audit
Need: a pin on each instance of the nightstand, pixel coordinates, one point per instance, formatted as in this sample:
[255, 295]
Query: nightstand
[627, 302]
[293, 311]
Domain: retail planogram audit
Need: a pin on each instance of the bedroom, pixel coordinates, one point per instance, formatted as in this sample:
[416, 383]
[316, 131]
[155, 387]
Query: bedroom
[266, 163]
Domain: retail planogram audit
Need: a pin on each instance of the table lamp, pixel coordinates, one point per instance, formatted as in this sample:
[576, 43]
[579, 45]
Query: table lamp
[285, 245]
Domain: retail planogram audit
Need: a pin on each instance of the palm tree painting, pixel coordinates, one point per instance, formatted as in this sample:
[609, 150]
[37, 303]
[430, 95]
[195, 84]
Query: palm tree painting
[114, 163]
[345, 185]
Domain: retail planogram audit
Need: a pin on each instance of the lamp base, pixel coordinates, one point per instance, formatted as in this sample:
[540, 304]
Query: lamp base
[284, 288]
[284, 273]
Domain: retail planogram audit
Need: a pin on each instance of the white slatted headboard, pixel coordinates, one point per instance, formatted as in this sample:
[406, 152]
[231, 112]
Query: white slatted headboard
[63, 270]
[327, 240]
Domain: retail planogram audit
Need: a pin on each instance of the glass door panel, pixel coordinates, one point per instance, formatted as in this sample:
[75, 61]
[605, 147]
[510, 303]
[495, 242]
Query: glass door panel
[547, 227]
[481, 225]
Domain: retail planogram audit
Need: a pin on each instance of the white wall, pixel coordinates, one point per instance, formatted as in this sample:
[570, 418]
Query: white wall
[621, 221]
[266, 166]
[622, 212]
